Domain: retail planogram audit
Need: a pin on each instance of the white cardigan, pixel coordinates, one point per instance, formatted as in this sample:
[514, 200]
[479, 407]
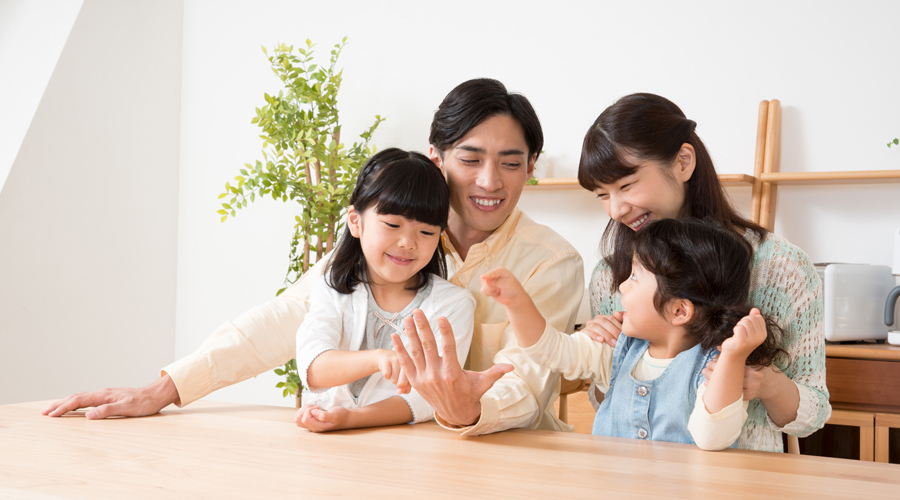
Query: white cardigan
[338, 321]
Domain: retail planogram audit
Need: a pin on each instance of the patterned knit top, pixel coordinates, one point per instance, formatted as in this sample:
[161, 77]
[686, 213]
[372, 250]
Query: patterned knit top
[783, 285]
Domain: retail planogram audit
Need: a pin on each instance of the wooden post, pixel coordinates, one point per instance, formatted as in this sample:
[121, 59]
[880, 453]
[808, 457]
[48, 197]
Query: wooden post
[759, 160]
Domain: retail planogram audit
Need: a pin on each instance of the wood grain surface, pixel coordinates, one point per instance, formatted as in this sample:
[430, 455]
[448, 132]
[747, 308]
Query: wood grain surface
[227, 450]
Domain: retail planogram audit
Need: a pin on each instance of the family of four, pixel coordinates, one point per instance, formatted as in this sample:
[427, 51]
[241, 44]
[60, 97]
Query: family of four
[444, 300]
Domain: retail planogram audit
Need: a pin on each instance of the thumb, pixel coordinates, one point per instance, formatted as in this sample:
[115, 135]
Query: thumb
[494, 373]
[619, 315]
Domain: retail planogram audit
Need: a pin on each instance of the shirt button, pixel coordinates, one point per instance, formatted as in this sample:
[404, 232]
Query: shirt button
[642, 433]
[642, 391]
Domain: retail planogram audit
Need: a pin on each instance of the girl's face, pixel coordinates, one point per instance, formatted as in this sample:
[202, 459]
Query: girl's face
[654, 191]
[641, 319]
[396, 248]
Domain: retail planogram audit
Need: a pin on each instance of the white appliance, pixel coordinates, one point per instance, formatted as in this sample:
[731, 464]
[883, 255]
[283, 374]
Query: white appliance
[854, 300]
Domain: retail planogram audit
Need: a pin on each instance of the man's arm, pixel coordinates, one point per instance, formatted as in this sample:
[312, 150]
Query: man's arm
[261, 339]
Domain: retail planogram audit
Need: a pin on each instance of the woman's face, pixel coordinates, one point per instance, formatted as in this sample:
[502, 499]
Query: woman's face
[654, 191]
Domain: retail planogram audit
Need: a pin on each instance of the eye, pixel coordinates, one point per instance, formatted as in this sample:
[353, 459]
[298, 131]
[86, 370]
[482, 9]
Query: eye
[427, 233]
[626, 186]
[634, 276]
[603, 196]
[394, 226]
[512, 165]
[468, 161]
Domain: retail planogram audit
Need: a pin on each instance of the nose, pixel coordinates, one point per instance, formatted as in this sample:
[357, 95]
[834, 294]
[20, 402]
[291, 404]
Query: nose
[623, 286]
[489, 177]
[617, 207]
[407, 240]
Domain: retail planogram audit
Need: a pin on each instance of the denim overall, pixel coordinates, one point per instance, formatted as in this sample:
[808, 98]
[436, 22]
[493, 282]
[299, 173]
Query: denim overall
[658, 409]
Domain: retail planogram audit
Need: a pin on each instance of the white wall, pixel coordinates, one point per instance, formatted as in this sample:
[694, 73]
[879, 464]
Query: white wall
[43, 28]
[88, 213]
[832, 64]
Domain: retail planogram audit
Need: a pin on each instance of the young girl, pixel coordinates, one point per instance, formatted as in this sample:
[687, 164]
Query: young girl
[686, 295]
[388, 263]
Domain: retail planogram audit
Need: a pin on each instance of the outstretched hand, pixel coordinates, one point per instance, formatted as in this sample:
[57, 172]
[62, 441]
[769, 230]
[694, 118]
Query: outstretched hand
[452, 392]
[124, 402]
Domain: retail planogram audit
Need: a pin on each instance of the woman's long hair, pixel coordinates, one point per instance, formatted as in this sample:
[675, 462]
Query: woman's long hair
[394, 182]
[709, 265]
[650, 127]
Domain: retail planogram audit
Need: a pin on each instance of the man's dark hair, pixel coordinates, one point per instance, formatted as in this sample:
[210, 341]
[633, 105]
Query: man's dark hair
[474, 101]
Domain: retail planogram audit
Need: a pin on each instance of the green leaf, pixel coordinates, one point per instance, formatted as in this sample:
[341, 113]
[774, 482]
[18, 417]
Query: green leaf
[228, 207]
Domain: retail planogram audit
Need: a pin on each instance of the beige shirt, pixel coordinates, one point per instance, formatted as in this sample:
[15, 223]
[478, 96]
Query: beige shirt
[549, 267]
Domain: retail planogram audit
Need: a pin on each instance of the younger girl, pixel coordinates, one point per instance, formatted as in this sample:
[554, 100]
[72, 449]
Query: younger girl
[388, 263]
[686, 295]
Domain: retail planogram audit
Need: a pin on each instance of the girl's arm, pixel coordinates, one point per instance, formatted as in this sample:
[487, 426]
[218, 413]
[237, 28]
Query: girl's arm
[334, 368]
[390, 411]
[727, 383]
[575, 356]
[524, 318]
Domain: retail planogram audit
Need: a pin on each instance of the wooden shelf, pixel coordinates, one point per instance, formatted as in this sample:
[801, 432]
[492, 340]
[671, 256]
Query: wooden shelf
[572, 182]
[847, 177]
[781, 178]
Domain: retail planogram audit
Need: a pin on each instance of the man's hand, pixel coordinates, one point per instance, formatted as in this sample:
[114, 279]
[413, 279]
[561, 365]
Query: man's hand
[126, 402]
[452, 392]
[314, 419]
[605, 328]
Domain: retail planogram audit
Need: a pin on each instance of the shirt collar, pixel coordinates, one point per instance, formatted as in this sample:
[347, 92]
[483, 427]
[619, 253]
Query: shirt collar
[496, 241]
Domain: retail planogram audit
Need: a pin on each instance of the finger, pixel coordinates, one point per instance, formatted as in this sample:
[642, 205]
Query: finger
[450, 362]
[712, 364]
[619, 315]
[415, 343]
[76, 401]
[406, 363]
[755, 312]
[403, 386]
[429, 344]
[490, 376]
[117, 410]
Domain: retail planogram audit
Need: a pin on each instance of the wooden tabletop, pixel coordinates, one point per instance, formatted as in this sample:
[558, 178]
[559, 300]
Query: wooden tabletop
[227, 450]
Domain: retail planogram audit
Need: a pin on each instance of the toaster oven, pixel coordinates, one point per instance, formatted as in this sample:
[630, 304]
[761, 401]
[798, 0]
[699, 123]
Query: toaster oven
[854, 296]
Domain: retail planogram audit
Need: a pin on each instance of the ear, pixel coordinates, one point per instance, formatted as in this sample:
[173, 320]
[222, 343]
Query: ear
[435, 155]
[685, 162]
[354, 221]
[530, 170]
[680, 312]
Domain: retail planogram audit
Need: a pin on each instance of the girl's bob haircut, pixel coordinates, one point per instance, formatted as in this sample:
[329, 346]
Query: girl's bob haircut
[393, 182]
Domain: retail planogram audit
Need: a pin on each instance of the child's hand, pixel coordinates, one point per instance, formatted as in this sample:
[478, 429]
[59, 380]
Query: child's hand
[501, 285]
[389, 366]
[314, 419]
[749, 333]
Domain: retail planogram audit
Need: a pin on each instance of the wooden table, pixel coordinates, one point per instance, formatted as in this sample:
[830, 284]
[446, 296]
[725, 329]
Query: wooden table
[229, 450]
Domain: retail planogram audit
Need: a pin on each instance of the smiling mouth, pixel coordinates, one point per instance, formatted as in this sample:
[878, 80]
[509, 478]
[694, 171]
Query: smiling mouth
[399, 260]
[639, 222]
[486, 203]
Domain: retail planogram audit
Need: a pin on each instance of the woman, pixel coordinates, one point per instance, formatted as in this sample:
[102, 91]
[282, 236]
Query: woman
[645, 162]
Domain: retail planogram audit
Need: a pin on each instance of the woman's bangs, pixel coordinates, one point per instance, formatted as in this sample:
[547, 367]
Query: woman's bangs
[601, 162]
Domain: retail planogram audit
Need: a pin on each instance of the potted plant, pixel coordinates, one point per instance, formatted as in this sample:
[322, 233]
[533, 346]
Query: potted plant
[303, 161]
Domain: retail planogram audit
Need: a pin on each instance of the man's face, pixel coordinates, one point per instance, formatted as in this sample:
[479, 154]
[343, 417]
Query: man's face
[486, 171]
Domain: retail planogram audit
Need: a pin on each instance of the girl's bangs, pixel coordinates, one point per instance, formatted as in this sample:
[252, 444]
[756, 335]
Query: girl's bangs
[416, 194]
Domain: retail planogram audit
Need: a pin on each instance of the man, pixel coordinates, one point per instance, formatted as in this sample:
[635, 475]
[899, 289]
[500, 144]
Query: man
[486, 141]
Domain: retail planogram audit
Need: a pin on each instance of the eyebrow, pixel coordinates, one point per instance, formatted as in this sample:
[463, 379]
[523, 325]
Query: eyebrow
[505, 152]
